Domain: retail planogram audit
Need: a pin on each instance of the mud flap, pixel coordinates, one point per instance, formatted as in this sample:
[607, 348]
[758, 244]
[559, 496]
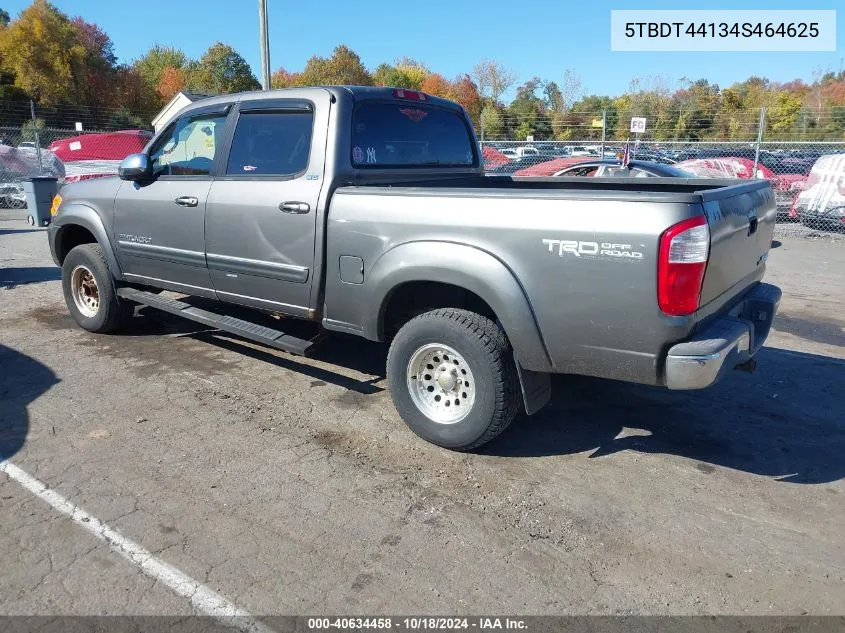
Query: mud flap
[536, 388]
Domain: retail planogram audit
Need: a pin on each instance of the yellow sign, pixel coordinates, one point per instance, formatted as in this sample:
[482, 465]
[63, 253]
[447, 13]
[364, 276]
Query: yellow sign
[597, 123]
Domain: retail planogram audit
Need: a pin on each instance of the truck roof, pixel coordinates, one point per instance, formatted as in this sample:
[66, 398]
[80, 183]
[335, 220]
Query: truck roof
[357, 93]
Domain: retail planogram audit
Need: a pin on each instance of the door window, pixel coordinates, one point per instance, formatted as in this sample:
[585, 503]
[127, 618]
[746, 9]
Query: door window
[189, 146]
[271, 144]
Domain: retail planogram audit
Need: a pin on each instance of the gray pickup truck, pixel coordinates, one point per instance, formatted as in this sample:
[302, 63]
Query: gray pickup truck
[367, 211]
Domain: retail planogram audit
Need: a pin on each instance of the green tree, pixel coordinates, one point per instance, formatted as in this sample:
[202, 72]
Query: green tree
[783, 116]
[343, 68]
[4, 18]
[221, 70]
[152, 64]
[29, 128]
[491, 123]
[41, 50]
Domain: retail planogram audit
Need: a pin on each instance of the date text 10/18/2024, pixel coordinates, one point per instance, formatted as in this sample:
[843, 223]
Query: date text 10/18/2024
[418, 623]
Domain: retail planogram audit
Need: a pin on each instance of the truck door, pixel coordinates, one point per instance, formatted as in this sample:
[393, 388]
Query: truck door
[261, 212]
[159, 224]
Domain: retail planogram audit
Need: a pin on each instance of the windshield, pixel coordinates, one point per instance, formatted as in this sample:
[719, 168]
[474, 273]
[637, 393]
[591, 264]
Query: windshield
[404, 134]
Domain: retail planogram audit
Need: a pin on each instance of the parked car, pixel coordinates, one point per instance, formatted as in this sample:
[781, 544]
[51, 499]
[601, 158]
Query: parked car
[516, 164]
[785, 186]
[366, 210]
[98, 154]
[821, 204]
[16, 164]
[587, 166]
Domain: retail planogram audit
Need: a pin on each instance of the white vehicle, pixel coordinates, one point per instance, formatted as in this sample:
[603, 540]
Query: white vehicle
[821, 205]
[526, 150]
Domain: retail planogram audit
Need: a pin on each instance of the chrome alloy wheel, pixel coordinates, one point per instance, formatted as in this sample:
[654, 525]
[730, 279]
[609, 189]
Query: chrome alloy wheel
[441, 383]
[83, 288]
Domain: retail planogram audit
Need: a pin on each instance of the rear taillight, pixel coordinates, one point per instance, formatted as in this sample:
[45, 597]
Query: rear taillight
[681, 264]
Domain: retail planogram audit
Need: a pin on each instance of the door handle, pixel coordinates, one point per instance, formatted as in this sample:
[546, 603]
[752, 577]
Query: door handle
[752, 225]
[295, 207]
[186, 201]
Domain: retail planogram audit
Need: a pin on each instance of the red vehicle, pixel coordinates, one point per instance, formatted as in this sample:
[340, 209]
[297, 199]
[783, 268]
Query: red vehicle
[98, 155]
[785, 186]
[493, 157]
[551, 167]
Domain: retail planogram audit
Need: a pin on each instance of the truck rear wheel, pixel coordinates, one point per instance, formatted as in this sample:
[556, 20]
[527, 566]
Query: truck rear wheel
[89, 290]
[452, 378]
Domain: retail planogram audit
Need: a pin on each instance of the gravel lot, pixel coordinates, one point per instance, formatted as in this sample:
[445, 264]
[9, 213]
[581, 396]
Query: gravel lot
[291, 486]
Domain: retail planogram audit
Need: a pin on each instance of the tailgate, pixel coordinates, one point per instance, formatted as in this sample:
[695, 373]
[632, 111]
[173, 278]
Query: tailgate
[741, 220]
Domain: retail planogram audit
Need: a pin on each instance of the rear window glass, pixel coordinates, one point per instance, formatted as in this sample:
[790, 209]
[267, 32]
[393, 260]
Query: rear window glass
[410, 134]
[270, 143]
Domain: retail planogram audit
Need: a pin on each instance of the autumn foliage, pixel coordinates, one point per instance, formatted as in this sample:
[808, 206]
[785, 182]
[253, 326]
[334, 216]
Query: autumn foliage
[69, 68]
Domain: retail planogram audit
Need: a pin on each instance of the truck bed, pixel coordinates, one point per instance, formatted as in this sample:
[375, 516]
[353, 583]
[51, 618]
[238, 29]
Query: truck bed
[598, 313]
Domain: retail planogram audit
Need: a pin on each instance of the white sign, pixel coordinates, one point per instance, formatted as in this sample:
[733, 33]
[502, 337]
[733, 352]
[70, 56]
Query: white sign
[638, 124]
[530, 138]
[79, 126]
[75, 146]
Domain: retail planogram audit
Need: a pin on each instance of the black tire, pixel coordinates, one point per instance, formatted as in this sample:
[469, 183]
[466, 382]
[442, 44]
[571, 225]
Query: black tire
[112, 311]
[486, 351]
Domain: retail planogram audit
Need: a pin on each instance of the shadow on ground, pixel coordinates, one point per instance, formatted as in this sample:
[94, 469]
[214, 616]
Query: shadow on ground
[785, 421]
[11, 277]
[22, 381]
[19, 231]
[345, 351]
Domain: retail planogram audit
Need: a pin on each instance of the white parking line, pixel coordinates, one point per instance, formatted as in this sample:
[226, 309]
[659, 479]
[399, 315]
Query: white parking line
[204, 599]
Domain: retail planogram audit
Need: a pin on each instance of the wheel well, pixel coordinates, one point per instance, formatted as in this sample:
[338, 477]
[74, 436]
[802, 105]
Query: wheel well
[70, 237]
[416, 297]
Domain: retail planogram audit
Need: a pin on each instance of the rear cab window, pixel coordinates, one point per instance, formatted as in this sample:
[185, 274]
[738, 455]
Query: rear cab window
[410, 134]
[271, 144]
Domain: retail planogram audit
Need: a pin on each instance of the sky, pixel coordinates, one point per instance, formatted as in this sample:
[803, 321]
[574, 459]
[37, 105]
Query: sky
[536, 38]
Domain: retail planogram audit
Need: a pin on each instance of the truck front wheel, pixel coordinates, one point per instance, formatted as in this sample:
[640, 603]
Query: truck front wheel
[89, 290]
[452, 378]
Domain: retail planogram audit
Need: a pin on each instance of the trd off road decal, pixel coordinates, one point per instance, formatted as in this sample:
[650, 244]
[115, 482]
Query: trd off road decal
[577, 248]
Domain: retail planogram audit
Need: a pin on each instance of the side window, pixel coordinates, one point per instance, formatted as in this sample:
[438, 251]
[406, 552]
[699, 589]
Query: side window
[271, 144]
[189, 146]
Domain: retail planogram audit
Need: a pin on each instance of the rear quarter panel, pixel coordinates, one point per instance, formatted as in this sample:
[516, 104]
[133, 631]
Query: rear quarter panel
[586, 263]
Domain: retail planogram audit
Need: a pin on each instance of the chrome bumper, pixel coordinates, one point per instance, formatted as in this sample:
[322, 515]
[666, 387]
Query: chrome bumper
[725, 343]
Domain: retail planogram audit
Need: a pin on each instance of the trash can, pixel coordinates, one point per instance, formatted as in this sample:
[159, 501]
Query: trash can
[39, 192]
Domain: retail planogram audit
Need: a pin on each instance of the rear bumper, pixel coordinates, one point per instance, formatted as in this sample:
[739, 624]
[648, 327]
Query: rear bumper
[725, 343]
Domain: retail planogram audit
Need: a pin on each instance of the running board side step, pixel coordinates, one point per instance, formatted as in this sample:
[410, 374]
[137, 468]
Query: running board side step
[245, 329]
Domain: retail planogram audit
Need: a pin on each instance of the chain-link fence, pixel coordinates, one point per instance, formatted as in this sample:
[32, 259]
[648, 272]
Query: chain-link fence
[61, 142]
[807, 177]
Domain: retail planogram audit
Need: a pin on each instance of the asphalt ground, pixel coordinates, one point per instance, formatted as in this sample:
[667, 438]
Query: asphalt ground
[173, 454]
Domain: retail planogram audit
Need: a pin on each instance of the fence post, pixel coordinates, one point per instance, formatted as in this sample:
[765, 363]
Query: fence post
[760, 126]
[37, 138]
[603, 131]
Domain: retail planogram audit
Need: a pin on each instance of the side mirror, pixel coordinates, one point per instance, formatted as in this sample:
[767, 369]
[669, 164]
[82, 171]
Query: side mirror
[135, 167]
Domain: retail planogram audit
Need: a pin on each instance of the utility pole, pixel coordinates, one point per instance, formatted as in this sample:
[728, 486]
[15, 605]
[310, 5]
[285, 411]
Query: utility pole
[264, 36]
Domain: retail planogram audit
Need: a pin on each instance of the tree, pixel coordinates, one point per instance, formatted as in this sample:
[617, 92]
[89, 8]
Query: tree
[4, 18]
[437, 85]
[492, 79]
[343, 68]
[41, 50]
[152, 64]
[221, 70]
[568, 92]
[171, 81]
[30, 127]
[491, 123]
[465, 92]
[95, 75]
[284, 79]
